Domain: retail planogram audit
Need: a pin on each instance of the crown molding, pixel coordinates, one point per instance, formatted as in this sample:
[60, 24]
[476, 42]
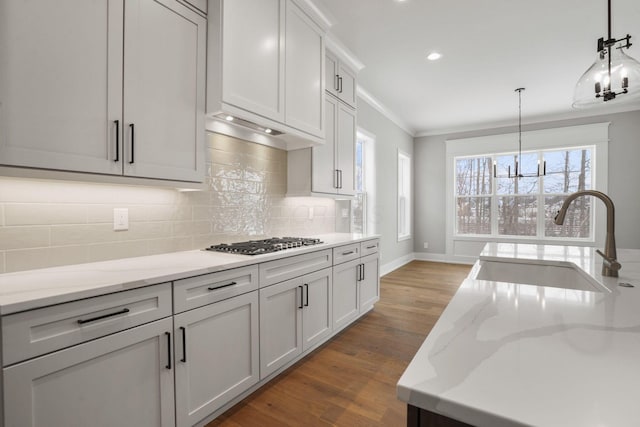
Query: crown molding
[382, 109]
[344, 53]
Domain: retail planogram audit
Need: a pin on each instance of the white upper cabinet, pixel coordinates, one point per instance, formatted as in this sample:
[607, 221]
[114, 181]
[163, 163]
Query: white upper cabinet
[340, 80]
[266, 66]
[61, 84]
[164, 90]
[253, 52]
[304, 70]
[66, 103]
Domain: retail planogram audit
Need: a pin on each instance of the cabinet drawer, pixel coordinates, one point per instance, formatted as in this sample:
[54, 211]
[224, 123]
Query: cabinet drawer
[287, 268]
[206, 289]
[369, 247]
[346, 253]
[36, 332]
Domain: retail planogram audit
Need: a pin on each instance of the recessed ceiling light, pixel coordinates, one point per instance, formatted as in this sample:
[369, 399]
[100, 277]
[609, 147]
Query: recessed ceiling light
[229, 118]
[434, 56]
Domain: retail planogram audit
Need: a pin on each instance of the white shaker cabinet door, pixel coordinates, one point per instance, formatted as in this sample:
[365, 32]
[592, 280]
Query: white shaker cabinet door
[345, 293]
[164, 87]
[253, 50]
[216, 355]
[316, 314]
[124, 379]
[304, 91]
[280, 325]
[324, 176]
[369, 282]
[61, 84]
[346, 147]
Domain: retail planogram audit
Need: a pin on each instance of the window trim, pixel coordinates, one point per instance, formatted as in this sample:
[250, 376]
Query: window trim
[596, 135]
[402, 156]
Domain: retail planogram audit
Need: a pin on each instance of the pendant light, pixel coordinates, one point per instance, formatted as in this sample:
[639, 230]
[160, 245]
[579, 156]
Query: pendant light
[518, 166]
[613, 74]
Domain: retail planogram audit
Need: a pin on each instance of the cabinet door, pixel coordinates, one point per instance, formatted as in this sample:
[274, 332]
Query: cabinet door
[61, 84]
[253, 52]
[280, 325]
[125, 379]
[345, 293]
[347, 85]
[369, 283]
[331, 81]
[304, 59]
[346, 147]
[164, 87]
[323, 168]
[316, 315]
[216, 355]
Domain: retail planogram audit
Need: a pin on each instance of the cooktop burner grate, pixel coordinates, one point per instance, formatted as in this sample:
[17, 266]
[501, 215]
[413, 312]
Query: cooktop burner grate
[257, 247]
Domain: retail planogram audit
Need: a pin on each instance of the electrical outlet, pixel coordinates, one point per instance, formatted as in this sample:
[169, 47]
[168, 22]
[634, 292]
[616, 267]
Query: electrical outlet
[426, 245]
[120, 219]
[311, 212]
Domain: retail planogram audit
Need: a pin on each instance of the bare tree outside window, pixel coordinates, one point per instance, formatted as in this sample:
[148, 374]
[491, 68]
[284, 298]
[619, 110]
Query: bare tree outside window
[524, 206]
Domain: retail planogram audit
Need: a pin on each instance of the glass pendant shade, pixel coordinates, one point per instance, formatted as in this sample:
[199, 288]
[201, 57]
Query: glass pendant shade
[625, 73]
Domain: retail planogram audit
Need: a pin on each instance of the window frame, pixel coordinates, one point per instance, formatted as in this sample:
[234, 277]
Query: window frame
[404, 157]
[540, 195]
[596, 134]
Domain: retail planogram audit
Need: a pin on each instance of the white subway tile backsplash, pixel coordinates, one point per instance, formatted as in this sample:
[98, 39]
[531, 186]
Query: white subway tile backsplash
[49, 223]
[23, 237]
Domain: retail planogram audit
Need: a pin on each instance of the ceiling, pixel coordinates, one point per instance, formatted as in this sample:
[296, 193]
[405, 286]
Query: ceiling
[489, 48]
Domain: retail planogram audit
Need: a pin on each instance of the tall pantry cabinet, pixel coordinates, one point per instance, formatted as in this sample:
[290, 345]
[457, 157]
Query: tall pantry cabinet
[103, 86]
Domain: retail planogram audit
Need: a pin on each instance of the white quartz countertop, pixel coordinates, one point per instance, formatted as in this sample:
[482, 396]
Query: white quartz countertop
[506, 354]
[31, 289]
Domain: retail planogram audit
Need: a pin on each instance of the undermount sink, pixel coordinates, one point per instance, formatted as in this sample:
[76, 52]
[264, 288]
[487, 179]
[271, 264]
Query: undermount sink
[556, 276]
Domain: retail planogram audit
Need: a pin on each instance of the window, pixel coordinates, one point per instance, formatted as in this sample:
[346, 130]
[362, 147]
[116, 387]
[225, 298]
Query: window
[361, 218]
[480, 208]
[404, 196]
[525, 206]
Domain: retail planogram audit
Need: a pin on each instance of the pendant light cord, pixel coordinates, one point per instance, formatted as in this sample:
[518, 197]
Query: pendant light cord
[519, 165]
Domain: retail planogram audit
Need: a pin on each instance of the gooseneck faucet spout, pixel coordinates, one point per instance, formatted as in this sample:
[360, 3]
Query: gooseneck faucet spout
[610, 264]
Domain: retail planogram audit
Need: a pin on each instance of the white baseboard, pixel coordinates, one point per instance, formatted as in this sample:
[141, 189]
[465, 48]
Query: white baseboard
[451, 259]
[396, 263]
[425, 256]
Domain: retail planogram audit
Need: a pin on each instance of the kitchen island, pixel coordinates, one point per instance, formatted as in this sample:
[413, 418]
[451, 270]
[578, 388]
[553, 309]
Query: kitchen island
[509, 354]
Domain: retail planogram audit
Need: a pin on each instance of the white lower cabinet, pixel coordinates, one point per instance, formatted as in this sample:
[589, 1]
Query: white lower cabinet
[345, 293]
[294, 315]
[124, 379]
[216, 350]
[369, 282]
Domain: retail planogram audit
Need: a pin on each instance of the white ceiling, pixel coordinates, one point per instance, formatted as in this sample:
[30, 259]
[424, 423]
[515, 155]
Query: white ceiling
[490, 48]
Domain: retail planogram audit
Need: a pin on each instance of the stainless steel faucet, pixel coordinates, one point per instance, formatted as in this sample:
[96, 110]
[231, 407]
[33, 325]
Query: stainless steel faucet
[610, 264]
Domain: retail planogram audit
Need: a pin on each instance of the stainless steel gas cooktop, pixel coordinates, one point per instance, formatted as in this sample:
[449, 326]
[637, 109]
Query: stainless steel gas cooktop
[257, 247]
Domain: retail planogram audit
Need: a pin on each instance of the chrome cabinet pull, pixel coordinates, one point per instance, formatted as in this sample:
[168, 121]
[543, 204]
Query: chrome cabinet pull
[104, 316]
[301, 297]
[306, 303]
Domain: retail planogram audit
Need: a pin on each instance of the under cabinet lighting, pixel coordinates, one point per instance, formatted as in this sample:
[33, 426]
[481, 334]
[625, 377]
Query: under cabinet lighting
[267, 130]
[229, 118]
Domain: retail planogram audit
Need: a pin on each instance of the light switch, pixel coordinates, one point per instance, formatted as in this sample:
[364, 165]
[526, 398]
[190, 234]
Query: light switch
[120, 219]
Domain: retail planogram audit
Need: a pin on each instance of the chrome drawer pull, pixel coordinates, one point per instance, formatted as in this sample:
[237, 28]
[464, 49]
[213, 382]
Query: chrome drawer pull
[347, 253]
[223, 286]
[104, 316]
[371, 247]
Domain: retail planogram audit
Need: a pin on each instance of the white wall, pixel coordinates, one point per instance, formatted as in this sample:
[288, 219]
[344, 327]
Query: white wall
[389, 138]
[624, 178]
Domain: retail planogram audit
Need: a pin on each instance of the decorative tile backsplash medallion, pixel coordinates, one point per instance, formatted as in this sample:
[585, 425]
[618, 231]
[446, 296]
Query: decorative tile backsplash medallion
[49, 223]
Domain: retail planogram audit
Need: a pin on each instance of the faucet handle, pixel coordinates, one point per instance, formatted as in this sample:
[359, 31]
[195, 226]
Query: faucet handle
[612, 263]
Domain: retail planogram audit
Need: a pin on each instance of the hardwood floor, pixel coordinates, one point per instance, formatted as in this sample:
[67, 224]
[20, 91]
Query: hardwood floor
[351, 380]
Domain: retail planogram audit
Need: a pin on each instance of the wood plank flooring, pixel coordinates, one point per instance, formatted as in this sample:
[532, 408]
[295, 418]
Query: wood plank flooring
[351, 380]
